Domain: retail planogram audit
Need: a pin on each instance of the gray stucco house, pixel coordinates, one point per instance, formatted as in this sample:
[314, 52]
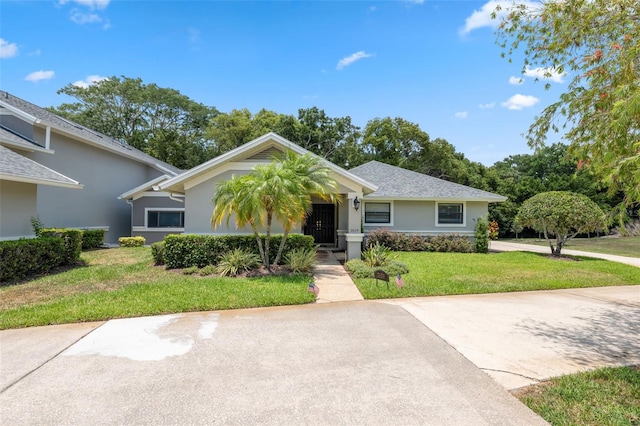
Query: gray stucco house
[66, 174]
[373, 195]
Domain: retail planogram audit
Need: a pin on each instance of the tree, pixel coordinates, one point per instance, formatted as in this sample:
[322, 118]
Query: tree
[279, 190]
[160, 122]
[595, 43]
[561, 214]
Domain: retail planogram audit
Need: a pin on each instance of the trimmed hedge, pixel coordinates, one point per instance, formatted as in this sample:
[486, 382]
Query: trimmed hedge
[131, 241]
[157, 251]
[92, 238]
[398, 241]
[72, 241]
[186, 250]
[24, 258]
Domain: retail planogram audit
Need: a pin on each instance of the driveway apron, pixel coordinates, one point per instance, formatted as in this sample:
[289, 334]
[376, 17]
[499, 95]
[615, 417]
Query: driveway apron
[334, 364]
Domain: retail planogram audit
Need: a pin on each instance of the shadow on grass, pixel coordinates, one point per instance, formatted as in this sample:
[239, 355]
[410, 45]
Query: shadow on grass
[55, 271]
[600, 337]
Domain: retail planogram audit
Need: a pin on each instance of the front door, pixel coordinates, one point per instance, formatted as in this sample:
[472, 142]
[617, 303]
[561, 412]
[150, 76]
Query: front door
[320, 224]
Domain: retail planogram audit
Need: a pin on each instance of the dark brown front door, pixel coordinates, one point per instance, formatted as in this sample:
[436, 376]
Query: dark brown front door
[320, 224]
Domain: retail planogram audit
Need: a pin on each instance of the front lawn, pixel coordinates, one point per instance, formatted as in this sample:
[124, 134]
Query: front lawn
[120, 283]
[437, 274]
[607, 396]
[627, 246]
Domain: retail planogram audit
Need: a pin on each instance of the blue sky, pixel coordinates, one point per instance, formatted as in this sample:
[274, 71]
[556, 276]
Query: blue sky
[434, 63]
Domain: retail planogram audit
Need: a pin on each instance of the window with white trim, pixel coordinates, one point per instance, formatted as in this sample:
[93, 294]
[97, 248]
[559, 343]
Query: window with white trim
[377, 212]
[450, 213]
[165, 219]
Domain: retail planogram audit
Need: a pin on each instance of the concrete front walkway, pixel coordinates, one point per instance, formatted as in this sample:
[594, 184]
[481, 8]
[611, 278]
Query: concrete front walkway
[334, 282]
[510, 246]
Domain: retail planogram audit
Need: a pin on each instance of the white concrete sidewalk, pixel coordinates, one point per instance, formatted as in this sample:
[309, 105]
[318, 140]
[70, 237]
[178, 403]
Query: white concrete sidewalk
[332, 279]
[510, 246]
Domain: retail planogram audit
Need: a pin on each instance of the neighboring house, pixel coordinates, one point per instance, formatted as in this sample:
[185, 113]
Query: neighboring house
[414, 203]
[66, 174]
[372, 196]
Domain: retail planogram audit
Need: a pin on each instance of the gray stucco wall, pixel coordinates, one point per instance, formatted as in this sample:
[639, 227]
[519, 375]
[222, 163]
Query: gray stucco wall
[19, 126]
[143, 203]
[104, 175]
[420, 217]
[17, 206]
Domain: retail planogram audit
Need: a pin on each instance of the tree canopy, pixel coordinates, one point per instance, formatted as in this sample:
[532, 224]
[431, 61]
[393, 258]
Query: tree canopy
[161, 122]
[596, 44]
[560, 216]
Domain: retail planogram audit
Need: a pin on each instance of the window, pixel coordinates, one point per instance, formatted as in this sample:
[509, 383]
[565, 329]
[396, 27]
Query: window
[165, 219]
[377, 212]
[450, 213]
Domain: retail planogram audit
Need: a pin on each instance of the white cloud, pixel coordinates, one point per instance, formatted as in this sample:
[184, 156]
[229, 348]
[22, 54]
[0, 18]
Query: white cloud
[482, 17]
[515, 80]
[346, 61]
[518, 102]
[487, 106]
[545, 74]
[461, 115]
[40, 75]
[91, 4]
[90, 80]
[415, 1]
[7, 50]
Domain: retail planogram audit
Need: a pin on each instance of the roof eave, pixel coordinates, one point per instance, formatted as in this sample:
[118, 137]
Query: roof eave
[39, 181]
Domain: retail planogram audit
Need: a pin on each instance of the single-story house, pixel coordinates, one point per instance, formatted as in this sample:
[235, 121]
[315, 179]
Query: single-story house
[373, 195]
[64, 173]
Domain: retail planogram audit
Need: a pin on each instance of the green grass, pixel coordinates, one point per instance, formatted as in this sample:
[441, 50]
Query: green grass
[628, 246]
[434, 274]
[607, 396]
[119, 283]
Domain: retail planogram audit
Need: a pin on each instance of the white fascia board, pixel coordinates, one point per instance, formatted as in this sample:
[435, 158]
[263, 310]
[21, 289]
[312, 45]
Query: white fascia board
[143, 188]
[26, 148]
[36, 181]
[20, 113]
[438, 199]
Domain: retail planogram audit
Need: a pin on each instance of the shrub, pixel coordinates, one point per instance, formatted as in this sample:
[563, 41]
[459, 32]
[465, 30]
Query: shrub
[376, 255]
[301, 260]
[190, 270]
[25, 258]
[207, 270]
[157, 251]
[131, 241]
[37, 226]
[397, 241]
[360, 269]
[236, 261]
[92, 238]
[184, 250]
[481, 242]
[71, 240]
[450, 243]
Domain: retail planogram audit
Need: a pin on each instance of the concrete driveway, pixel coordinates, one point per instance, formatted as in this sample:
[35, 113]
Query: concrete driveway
[341, 363]
[403, 361]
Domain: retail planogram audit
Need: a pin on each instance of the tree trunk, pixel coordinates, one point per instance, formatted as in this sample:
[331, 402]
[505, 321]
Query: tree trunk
[281, 246]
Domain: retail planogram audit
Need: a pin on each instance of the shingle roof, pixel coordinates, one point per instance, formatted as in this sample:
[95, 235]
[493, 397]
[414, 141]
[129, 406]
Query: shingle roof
[48, 118]
[398, 183]
[16, 167]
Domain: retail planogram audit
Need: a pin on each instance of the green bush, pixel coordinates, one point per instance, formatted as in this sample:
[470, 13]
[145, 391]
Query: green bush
[184, 250]
[92, 238]
[190, 270]
[301, 260]
[397, 241]
[28, 257]
[376, 255]
[207, 270]
[157, 252]
[131, 241]
[72, 242]
[236, 261]
[360, 269]
[481, 242]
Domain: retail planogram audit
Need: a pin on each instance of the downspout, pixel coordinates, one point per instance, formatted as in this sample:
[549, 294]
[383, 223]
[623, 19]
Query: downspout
[47, 138]
[130, 202]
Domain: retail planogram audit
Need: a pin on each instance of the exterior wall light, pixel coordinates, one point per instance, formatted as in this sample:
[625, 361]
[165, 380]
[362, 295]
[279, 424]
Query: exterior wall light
[356, 203]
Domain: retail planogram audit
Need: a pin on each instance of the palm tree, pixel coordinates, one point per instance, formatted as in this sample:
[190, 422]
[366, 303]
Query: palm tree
[280, 190]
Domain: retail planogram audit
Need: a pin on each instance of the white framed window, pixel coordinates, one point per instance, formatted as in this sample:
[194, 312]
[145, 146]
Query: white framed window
[451, 214]
[164, 218]
[378, 213]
